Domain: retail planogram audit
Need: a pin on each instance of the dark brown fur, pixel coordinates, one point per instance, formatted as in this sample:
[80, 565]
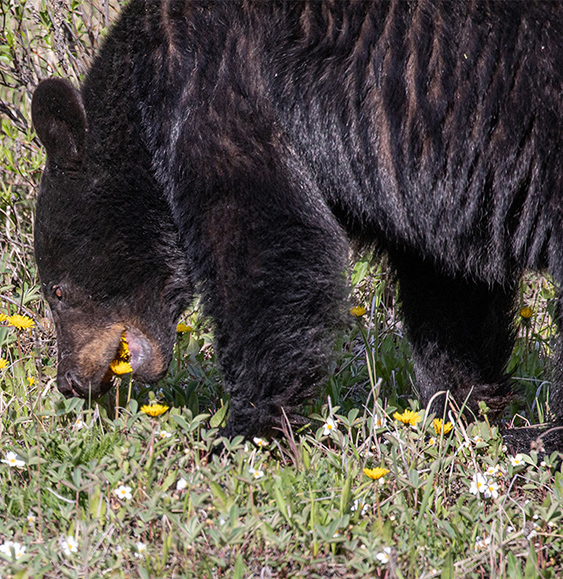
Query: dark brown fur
[267, 135]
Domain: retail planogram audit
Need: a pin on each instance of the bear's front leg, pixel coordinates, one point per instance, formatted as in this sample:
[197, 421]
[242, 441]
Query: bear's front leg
[269, 259]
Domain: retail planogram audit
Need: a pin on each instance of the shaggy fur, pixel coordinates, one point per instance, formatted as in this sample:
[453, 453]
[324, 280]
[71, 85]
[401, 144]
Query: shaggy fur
[274, 133]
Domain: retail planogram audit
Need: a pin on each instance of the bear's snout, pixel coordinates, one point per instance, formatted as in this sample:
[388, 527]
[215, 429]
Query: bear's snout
[71, 385]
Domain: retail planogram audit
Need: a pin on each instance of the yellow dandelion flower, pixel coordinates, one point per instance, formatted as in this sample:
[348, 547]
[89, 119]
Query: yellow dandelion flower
[376, 473]
[408, 417]
[526, 312]
[154, 410]
[3, 363]
[181, 328]
[120, 364]
[120, 367]
[31, 380]
[358, 311]
[439, 427]
[20, 322]
[3, 317]
[123, 350]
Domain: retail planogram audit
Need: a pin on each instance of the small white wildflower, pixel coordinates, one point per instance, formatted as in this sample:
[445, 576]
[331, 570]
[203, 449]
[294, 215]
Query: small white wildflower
[141, 548]
[123, 492]
[491, 490]
[492, 470]
[504, 448]
[358, 505]
[19, 550]
[13, 460]
[510, 529]
[12, 549]
[69, 545]
[163, 434]
[482, 543]
[431, 441]
[181, 484]
[222, 521]
[329, 426]
[478, 484]
[30, 519]
[517, 460]
[78, 424]
[379, 421]
[260, 442]
[256, 473]
[383, 557]
[477, 439]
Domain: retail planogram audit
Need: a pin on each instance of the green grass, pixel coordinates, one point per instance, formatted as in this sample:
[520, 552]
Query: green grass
[308, 511]
[301, 506]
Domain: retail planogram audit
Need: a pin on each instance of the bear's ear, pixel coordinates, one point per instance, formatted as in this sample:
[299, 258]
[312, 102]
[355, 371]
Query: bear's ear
[60, 122]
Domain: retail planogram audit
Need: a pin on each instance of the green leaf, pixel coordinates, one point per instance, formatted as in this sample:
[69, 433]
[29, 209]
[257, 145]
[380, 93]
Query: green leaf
[218, 419]
[531, 570]
[168, 481]
[239, 568]
[345, 496]
[133, 406]
[167, 543]
[218, 492]
[281, 504]
[514, 570]
[428, 490]
[181, 422]
[448, 528]
[448, 568]
[360, 270]
[97, 504]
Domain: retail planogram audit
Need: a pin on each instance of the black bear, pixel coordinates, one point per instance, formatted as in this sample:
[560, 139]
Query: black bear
[236, 149]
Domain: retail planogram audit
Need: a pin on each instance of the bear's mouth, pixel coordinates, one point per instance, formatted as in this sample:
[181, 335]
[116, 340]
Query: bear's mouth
[134, 355]
[120, 365]
[141, 350]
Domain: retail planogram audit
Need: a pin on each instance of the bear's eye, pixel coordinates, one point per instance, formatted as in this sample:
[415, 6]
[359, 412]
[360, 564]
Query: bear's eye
[57, 292]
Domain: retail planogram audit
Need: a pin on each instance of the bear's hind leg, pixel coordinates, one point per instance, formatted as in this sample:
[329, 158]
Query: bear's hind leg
[461, 333]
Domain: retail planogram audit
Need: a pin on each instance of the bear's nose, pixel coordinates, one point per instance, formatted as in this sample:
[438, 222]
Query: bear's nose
[68, 384]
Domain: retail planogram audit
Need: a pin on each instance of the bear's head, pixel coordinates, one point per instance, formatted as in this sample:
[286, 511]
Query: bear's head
[106, 246]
